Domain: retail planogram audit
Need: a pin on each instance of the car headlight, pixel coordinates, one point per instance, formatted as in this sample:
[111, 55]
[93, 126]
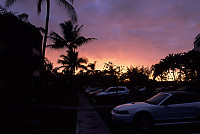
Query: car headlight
[121, 112]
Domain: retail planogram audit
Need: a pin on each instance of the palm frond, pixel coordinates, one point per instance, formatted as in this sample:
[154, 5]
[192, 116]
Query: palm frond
[63, 62]
[59, 42]
[63, 67]
[77, 31]
[67, 30]
[82, 66]
[63, 56]
[82, 60]
[82, 40]
[92, 65]
[72, 1]
[67, 25]
[70, 9]
[41, 29]
[39, 6]
[56, 36]
[9, 3]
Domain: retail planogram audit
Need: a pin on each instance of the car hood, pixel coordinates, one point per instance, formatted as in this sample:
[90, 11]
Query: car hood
[132, 106]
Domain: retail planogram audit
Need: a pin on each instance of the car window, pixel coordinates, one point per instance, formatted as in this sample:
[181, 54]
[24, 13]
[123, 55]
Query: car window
[157, 99]
[112, 90]
[181, 98]
[121, 89]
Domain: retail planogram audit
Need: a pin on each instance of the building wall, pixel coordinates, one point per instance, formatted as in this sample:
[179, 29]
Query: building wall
[197, 43]
[20, 53]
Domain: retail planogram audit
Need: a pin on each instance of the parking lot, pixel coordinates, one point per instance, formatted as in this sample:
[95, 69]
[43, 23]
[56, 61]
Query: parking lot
[105, 105]
[105, 113]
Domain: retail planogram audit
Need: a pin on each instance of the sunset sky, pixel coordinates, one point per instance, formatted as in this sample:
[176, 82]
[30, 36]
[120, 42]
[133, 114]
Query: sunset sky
[129, 32]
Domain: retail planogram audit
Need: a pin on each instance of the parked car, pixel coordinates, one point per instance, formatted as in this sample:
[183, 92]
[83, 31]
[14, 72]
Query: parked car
[185, 88]
[160, 89]
[90, 90]
[172, 107]
[113, 96]
[164, 89]
[94, 93]
[112, 91]
[140, 88]
[87, 90]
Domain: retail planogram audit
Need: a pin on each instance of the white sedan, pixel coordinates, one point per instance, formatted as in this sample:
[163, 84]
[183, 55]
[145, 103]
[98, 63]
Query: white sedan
[174, 107]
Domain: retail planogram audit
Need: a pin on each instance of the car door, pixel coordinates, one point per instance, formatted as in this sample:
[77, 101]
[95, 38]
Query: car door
[112, 92]
[181, 111]
[178, 108]
[121, 91]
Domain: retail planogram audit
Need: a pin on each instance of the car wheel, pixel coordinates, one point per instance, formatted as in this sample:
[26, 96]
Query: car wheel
[143, 122]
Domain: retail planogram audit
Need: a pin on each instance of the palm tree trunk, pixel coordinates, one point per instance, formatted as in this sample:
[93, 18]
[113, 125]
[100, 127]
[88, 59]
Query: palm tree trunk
[46, 28]
[74, 70]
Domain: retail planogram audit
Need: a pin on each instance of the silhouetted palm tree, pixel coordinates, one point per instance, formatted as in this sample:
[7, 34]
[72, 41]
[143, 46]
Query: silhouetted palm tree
[179, 59]
[170, 64]
[71, 37]
[67, 5]
[186, 65]
[160, 70]
[71, 62]
[192, 65]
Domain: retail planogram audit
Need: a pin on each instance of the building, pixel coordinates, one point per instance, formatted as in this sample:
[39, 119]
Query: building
[20, 53]
[197, 43]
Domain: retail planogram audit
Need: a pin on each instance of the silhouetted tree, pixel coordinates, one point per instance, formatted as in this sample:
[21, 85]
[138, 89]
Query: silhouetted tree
[71, 62]
[67, 5]
[192, 65]
[184, 66]
[91, 67]
[21, 17]
[110, 69]
[48, 65]
[71, 37]
[159, 70]
[137, 75]
[170, 64]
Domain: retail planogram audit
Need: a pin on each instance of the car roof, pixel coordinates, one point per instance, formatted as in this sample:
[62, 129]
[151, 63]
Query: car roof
[182, 92]
[118, 87]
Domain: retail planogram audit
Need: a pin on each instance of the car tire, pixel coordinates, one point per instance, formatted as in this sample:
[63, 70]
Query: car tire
[143, 122]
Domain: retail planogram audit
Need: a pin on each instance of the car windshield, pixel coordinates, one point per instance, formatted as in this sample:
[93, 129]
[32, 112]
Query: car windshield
[106, 90]
[155, 100]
